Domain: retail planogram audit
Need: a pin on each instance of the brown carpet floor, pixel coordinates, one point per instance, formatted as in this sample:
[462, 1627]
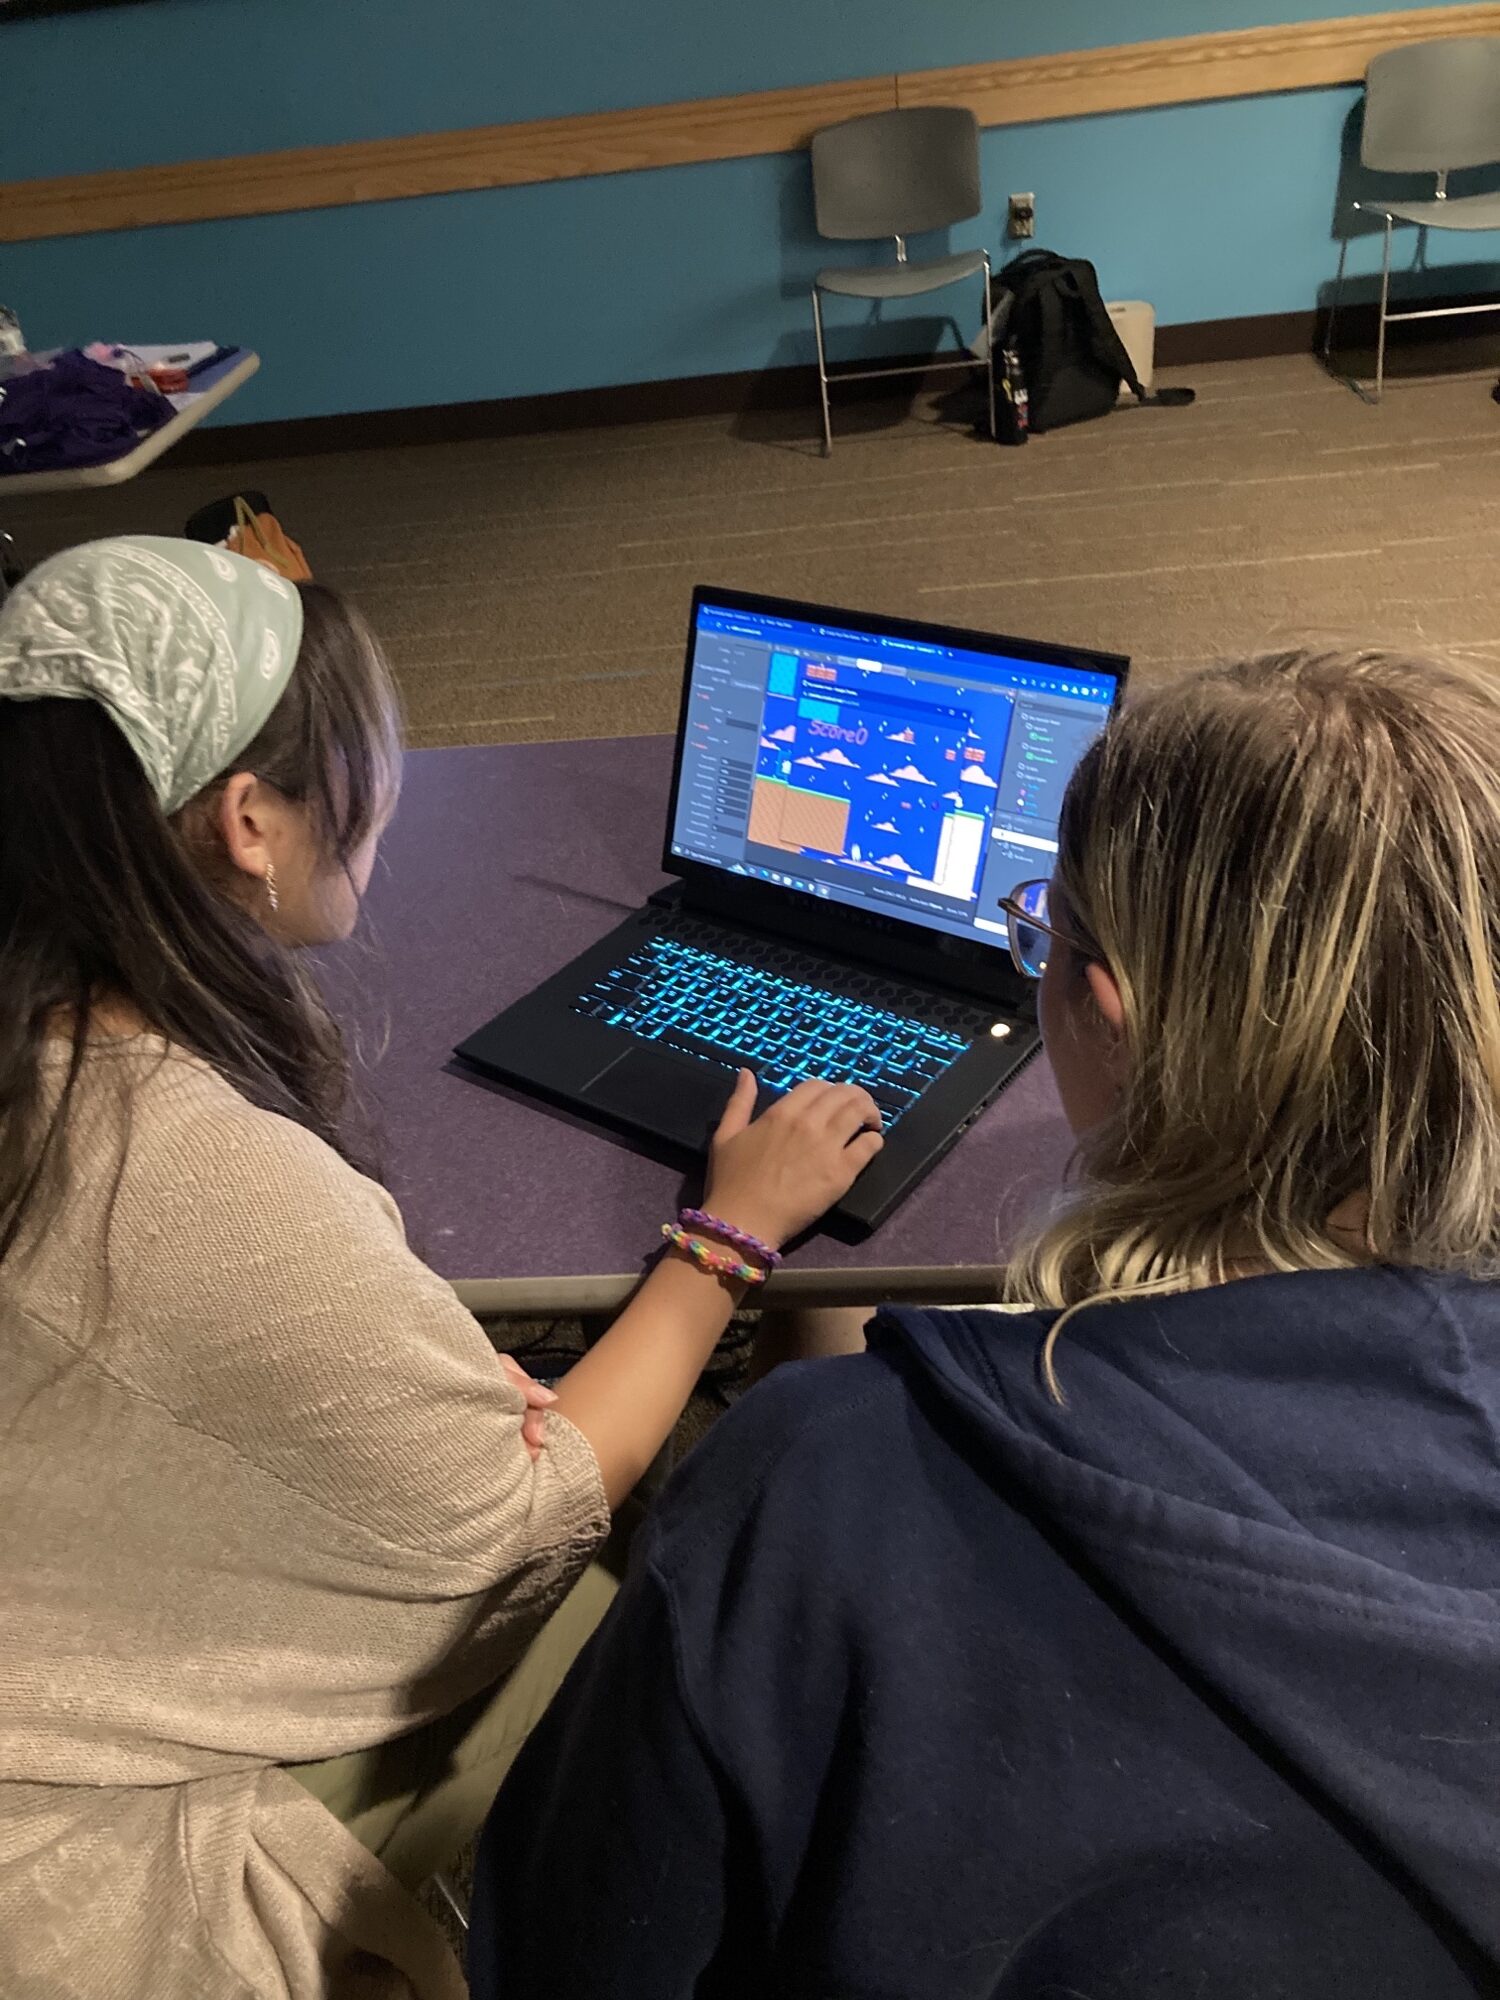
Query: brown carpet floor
[533, 588]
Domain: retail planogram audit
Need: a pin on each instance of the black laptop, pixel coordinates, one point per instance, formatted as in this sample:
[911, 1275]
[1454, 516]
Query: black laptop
[851, 797]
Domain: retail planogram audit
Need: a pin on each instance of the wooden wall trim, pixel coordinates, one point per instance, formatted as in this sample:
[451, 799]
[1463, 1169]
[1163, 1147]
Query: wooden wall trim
[1192, 69]
[486, 156]
[1083, 83]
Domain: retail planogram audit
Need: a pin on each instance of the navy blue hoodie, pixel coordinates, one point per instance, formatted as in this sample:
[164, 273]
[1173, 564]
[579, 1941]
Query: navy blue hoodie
[923, 1686]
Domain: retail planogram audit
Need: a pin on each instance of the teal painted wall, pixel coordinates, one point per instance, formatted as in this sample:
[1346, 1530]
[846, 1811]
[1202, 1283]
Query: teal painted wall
[1210, 211]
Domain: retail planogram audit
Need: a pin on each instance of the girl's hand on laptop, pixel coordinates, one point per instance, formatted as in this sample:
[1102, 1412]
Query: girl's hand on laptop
[771, 1176]
[775, 1175]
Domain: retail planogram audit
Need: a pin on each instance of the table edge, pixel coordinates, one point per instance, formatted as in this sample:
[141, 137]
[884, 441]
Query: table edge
[852, 1285]
[129, 465]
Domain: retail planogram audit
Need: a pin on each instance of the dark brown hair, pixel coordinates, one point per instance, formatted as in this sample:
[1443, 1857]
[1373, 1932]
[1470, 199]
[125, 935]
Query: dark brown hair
[102, 898]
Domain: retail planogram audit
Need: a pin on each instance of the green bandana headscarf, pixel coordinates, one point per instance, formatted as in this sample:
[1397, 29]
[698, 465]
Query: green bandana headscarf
[188, 647]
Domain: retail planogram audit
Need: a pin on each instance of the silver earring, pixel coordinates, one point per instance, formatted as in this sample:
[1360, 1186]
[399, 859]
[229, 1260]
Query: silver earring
[271, 896]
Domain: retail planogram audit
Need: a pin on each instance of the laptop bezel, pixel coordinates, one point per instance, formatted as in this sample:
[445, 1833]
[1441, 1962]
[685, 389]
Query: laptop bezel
[953, 960]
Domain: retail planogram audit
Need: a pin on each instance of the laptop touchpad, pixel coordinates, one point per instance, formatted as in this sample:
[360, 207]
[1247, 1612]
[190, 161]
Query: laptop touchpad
[682, 1099]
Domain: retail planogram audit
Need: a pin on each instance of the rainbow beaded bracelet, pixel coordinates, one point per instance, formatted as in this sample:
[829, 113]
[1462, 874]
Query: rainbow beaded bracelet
[699, 1218]
[708, 1257]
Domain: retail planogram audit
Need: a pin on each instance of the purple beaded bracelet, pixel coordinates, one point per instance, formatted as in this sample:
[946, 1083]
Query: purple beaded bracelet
[698, 1218]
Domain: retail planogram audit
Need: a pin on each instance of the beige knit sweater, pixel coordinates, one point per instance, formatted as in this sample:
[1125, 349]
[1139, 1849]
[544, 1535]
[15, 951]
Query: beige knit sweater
[263, 1498]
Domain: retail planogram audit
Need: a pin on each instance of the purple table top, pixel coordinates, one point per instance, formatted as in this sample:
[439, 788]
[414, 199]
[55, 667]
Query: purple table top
[501, 864]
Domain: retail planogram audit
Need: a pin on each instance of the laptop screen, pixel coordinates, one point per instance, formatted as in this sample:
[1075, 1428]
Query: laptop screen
[886, 768]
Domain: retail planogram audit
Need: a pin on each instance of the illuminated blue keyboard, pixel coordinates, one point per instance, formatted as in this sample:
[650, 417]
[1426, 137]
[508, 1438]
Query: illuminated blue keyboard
[721, 1010]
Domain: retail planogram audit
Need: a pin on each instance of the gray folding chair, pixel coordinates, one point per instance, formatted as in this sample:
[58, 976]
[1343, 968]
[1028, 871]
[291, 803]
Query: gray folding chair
[1431, 108]
[896, 173]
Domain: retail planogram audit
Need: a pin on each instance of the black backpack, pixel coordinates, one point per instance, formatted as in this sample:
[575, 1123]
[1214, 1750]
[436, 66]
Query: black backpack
[1048, 309]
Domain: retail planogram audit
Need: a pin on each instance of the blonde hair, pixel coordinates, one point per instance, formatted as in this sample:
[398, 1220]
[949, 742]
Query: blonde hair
[1291, 866]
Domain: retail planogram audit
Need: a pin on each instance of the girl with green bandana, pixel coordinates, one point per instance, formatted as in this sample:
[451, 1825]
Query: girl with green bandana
[267, 1495]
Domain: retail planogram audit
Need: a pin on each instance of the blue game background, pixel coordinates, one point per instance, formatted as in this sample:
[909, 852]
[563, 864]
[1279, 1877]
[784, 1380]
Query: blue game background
[921, 760]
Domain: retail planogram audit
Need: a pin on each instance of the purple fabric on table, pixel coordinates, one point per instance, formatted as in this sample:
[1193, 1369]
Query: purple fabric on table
[503, 862]
[73, 412]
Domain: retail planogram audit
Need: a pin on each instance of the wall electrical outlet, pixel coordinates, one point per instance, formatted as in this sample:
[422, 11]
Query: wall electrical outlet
[1020, 217]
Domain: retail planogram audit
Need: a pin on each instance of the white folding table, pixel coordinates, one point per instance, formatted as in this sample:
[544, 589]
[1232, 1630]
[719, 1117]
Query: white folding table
[210, 389]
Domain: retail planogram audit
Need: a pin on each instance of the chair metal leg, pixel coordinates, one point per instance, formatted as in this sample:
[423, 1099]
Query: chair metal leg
[1338, 294]
[989, 345]
[817, 306]
[1385, 294]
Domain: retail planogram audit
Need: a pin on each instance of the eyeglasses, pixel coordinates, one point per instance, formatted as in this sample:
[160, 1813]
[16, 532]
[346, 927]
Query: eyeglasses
[1030, 926]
